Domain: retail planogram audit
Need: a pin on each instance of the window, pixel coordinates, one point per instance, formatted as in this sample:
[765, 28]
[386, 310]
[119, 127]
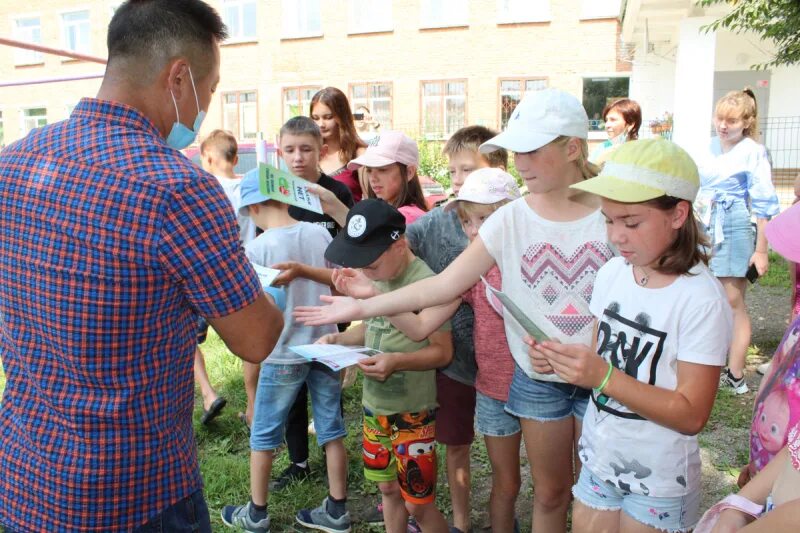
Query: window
[600, 9]
[512, 91]
[240, 114]
[300, 18]
[29, 30]
[443, 13]
[369, 16]
[75, 31]
[511, 11]
[599, 92]
[444, 107]
[296, 100]
[377, 97]
[240, 17]
[34, 117]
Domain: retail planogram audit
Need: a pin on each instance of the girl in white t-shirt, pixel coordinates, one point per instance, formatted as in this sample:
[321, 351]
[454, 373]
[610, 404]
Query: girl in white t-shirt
[548, 246]
[663, 327]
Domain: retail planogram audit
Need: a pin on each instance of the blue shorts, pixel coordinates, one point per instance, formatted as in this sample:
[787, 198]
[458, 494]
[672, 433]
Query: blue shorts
[545, 401]
[673, 514]
[278, 386]
[731, 257]
[492, 419]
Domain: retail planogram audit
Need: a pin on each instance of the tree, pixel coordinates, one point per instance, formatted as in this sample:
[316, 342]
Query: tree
[775, 20]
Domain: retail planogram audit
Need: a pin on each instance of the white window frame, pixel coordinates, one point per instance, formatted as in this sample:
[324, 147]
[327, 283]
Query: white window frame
[293, 12]
[522, 11]
[239, 37]
[21, 55]
[523, 92]
[301, 104]
[112, 8]
[595, 134]
[454, 14]
[600, 9]
[87, 49]
[369, 16]
[369, 101]
[24, 119]
[444, 97]
[241, 109]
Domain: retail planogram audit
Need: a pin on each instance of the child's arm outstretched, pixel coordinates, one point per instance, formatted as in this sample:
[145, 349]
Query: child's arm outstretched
[331, 205]
[437, 354]
[416, 326]
[685, 409]
[441, 289]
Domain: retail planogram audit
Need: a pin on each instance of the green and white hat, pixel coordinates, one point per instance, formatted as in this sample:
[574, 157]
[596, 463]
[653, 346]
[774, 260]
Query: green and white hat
[643, 170]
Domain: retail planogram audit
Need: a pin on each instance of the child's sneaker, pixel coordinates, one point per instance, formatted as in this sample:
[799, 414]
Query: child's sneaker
[239, 516]
[320, 519]
[763, 368]
[291, 474]
[375, 515]
[738, 385]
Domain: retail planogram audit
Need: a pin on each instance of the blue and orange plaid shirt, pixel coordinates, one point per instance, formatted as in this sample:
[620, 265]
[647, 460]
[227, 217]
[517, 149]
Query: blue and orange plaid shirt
[111, 243]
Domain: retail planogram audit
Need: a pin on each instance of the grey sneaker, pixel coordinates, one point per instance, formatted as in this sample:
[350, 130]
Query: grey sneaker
[738, 385]
[320, 519]
[239, 516]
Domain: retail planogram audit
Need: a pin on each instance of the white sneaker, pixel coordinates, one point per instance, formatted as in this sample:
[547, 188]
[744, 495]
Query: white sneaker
[311, 429]
[764, 368]
[738, 385]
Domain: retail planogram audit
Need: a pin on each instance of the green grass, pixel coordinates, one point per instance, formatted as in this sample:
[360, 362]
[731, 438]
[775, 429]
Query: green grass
[778, 273]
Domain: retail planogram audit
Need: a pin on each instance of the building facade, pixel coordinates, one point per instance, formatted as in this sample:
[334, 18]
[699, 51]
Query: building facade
[427, 67]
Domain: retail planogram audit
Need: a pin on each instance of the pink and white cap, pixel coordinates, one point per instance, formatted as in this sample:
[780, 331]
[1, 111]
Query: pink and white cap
[486, 186]
[387, 148]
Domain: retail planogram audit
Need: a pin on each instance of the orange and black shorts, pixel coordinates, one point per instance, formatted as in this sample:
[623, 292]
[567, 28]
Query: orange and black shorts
[403, 447]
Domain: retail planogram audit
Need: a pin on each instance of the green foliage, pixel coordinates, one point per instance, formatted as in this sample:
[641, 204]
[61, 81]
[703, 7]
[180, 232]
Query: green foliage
[778, 273]
[775, 20]
[432, 162]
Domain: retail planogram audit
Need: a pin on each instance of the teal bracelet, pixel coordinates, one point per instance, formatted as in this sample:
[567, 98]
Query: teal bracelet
[605, 379]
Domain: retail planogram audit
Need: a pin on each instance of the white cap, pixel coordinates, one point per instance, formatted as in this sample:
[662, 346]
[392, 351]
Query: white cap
[486, 186]
[540, 118]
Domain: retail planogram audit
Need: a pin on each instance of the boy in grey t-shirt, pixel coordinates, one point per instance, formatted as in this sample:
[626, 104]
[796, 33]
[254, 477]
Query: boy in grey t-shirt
[284, 373]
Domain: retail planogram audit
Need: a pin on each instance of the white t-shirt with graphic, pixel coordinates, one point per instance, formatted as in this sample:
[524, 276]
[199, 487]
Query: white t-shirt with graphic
[645, 332]
[548, 269]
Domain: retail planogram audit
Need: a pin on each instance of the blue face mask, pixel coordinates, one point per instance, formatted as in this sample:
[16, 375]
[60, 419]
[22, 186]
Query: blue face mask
[180, 136]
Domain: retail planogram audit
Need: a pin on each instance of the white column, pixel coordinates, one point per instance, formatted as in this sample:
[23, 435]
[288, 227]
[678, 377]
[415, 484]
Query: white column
[694, 85]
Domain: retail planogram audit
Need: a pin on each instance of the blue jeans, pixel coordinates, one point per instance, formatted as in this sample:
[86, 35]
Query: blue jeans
[544, 401]
[278, 386]
[187, 515]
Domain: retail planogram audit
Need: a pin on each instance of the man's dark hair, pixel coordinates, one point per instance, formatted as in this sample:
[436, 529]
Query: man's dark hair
[146, 34]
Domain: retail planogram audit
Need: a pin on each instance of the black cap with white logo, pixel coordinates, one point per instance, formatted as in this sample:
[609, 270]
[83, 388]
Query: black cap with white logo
[372, 227]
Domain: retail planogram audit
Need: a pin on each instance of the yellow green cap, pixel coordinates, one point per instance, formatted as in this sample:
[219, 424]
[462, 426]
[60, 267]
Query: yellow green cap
[642, 170]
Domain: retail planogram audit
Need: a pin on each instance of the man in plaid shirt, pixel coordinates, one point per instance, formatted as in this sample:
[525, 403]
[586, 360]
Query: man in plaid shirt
[111, 244]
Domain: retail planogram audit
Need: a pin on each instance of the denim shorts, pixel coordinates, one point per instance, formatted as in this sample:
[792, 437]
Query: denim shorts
[731, 257]
[673, 514]
[492, 419]
[545, 401]
[278, 386]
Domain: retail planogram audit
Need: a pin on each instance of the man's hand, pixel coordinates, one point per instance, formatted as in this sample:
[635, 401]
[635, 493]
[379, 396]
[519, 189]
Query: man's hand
[352, 282]
[378, 366]
[289, 271]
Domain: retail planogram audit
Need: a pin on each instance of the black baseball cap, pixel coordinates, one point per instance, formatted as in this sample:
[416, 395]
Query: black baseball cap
[372, 227]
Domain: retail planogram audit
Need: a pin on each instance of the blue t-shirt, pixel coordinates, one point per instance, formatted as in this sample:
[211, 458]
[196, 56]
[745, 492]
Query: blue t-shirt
[437, 238]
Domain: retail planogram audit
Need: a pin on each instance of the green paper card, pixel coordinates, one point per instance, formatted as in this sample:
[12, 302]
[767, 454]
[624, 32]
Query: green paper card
[278, 185]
